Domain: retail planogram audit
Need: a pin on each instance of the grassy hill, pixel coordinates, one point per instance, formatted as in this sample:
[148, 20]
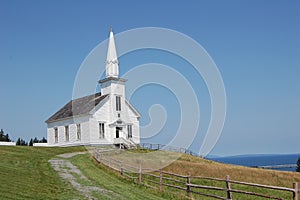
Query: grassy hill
[25, 173]
[201, 167]
[187, 164]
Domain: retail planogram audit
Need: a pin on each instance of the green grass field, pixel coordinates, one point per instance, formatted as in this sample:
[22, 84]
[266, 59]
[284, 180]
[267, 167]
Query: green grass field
[108, 179]
[25, 173]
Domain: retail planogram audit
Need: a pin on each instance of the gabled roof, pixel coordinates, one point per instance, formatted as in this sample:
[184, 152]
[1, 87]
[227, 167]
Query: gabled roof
[76, 107]
[133, 109]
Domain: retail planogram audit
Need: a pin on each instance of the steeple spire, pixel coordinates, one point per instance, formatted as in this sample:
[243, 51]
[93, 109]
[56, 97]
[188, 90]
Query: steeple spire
[112, 66]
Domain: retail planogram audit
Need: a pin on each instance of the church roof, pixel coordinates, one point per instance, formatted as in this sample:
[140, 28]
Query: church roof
[77, 107]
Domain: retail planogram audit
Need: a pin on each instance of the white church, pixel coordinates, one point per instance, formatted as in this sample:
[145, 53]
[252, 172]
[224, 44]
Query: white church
[104, 118]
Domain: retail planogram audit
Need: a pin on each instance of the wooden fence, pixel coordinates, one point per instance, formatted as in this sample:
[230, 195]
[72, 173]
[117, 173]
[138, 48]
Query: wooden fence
[168, 148]
[158, 179]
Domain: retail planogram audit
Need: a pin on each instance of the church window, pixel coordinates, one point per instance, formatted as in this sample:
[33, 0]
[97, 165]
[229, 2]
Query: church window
[67, 133]
[101, 130]
[78, 132]
[118, 103]
[129, 130]
[55, 135]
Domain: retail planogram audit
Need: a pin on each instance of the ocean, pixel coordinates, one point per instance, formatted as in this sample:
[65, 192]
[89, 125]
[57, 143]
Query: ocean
[260, 160]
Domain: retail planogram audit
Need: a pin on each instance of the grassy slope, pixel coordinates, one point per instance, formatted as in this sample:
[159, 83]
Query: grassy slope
[108, 179]
[26, 174]
[201, 167]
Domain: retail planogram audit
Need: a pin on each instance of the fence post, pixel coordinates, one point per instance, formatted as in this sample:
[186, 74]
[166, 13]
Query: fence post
[160, 180]
[296, 190]
[188, 187]
[228, 188]
[140, 174]
[99, 155]
[121, 171]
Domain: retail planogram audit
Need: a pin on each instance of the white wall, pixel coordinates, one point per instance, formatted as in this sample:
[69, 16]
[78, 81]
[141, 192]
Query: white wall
[7, 144]
[41, 144]
[107, 113]
[132, 118]
[102, 114]
[60, 125]
[113, 87]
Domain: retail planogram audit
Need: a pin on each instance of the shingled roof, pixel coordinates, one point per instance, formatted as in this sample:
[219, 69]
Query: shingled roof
[76, 107]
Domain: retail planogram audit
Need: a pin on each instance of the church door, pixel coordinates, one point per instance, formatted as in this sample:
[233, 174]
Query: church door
[118, 129]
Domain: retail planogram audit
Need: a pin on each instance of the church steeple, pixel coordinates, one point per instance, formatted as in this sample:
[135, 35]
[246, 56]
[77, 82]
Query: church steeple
[112, 66]
[112, 84]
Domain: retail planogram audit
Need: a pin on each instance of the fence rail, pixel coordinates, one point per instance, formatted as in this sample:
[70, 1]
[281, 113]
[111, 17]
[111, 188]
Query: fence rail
[168, 148]
[184, 182]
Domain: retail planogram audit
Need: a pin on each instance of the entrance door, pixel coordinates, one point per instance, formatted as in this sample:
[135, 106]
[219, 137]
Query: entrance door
[118, 129]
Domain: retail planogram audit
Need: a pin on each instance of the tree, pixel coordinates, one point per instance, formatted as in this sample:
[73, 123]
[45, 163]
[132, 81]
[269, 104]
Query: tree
[18, 141]
[4, 137]
[298, 165]
[31, 142]
[36, 140]
[24, 143]
[1, 133]
[21, 142]
[43, 140]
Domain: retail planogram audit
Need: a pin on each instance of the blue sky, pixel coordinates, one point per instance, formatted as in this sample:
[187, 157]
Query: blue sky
[255, 44]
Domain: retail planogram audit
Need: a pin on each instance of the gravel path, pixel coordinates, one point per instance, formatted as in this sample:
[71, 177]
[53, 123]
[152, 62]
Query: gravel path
[74, 176]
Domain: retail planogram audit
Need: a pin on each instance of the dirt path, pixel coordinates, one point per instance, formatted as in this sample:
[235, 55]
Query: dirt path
[74, 176]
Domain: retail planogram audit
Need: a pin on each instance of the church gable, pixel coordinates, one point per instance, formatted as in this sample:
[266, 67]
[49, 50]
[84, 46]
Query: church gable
[102, 111]
[132, 109]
